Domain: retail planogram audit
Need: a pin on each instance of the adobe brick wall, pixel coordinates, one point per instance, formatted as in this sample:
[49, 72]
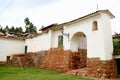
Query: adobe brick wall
[101, 69]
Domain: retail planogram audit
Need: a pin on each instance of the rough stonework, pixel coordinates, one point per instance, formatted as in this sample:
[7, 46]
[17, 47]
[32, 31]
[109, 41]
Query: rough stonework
[61, 60]
[55, 58]
[2, 63]
[26, 60]
[78, 59]
[101, 69]
[66, 60]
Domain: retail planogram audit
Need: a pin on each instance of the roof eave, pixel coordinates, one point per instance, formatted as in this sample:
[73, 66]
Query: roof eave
[108, 12]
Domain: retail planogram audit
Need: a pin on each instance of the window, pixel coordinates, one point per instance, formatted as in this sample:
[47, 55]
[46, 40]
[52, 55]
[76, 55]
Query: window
[60, 41]
[95, 26]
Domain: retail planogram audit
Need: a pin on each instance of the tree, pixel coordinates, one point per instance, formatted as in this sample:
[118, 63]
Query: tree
[18, 30]
[26, 21]
[116, 44]
[1, 28]
[12, 29]
[6, 29]
[30, 28]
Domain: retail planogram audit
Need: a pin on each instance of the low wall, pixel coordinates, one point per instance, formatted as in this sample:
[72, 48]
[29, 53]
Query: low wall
[101, 69]
[65, 60]
[55, 58]
[61, 60]
[26, 60]
[78, 59]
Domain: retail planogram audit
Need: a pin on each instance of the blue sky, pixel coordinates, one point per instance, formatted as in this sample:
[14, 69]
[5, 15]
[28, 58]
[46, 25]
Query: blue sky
[45, 12]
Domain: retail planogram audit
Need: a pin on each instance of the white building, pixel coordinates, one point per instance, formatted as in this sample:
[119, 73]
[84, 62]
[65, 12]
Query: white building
[91, 32]
[9, 46]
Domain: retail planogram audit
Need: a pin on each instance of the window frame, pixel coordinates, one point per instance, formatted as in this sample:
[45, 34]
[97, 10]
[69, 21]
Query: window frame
[60, 41]
[94, 26]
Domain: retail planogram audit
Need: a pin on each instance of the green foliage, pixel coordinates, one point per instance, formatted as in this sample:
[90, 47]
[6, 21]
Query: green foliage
[6, 29]
[30, 28]
[16, 30]
[2, 30]
[13, 73]
[116, 45]
[11, 29]
[19, 30]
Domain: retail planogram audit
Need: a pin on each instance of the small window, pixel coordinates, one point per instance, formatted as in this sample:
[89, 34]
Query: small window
[95, 26]
[60, 41]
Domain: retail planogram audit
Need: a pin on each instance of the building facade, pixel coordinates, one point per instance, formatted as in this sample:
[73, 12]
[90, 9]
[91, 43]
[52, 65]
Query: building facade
[91, 32]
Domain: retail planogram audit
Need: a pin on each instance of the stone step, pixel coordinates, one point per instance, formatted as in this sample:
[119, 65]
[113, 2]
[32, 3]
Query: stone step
[77, 72]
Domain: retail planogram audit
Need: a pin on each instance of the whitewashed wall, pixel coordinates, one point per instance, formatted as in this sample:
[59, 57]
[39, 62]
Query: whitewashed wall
[54, 37]
[41, 42]
[99, 43]
[9, 47]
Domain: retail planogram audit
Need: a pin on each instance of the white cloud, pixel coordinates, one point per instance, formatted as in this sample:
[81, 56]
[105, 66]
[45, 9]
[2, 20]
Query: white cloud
[57, 12]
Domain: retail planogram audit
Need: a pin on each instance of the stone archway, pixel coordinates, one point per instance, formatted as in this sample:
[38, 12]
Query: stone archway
[78, 47]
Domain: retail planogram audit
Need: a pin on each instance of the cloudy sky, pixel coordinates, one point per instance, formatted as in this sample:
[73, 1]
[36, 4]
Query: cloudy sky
[45, 12]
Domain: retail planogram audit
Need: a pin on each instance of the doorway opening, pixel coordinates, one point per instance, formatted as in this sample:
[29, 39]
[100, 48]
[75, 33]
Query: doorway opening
[78, 47]
[118, 66]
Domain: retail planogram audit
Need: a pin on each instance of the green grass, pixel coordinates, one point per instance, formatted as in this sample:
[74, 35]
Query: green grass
[13, 73]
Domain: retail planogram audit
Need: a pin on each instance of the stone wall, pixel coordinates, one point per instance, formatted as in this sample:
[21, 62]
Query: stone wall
[101, 69]
[2, 63]
[65, 60]
[55, 58]
[26, 60]
[78, 59]
[61, 60]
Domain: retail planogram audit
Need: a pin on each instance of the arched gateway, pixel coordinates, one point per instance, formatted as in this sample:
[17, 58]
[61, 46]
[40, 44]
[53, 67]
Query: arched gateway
[78, 42]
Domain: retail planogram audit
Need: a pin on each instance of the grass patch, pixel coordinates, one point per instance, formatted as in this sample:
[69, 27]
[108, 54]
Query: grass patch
[14, 73]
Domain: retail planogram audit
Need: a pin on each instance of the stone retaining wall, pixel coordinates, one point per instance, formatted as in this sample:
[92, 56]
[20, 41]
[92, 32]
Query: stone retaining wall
[78, 59]
[2, 63]
[55, 58]
[101, 69]
[59, 59]
[26, 60]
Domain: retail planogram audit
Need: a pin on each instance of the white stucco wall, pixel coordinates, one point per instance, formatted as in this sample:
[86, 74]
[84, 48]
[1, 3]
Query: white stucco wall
[54, 37]
[41, 42]
[9, 47]
[78, 41]
[107, 34]
[82, 43]
[99, 43]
